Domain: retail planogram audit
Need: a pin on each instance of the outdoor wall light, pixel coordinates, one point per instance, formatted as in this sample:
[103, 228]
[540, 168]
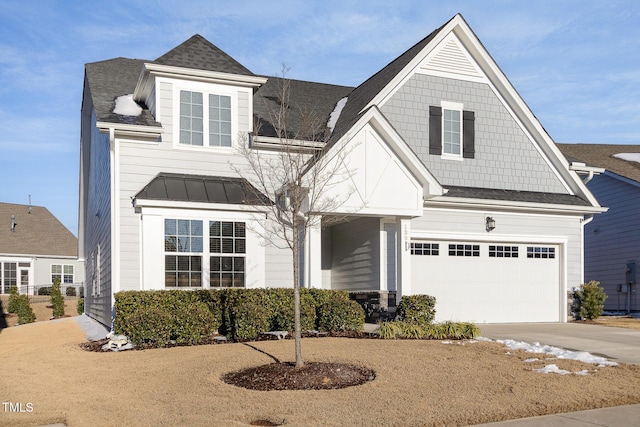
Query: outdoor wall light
[490, 223]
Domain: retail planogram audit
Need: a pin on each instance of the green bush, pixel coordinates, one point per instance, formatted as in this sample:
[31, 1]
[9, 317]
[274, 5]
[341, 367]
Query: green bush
[591, 299]
[419, 309]
[57, 300]
[71, 291]
[281, 306]
[45, 290]
[80, 306]
[436, 331]
[24, 310]
[13, 305]
[335, 314]
[246, 313]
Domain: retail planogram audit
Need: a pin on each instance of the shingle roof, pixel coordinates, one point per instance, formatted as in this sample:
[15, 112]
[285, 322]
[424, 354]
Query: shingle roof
[36, 233]
[364, 93]
[201, 188]
[514, 195]
[113, 78]
[200, 54]
[601, 155]
[309, 106]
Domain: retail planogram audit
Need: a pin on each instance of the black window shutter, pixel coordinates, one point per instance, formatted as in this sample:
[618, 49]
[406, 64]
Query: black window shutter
[468, 134]
[435, 130]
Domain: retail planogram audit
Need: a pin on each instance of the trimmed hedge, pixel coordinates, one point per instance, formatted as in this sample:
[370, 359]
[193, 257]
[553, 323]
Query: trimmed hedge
[418, 309]
[45, 290]
[436, 331]
[160, 318]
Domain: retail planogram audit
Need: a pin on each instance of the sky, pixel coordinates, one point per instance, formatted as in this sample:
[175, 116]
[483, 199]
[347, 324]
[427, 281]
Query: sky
[575, 63]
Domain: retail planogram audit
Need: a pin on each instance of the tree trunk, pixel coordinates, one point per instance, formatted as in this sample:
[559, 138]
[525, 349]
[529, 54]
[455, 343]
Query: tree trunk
[296, 293]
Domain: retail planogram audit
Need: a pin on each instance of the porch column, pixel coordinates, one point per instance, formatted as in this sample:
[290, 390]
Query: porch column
[313, 255]
[404, 258]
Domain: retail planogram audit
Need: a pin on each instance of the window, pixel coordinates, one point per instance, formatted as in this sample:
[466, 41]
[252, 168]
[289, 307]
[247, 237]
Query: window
[503, 251]
[541, 252]
[464, 250]
[205, 119]
[425, 249]
[9, 276]
[183, 253]
[227, 247]
[452, 132]
[62, 272]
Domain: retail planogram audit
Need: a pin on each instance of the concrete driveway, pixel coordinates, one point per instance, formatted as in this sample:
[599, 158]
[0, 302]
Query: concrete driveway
[618, 344]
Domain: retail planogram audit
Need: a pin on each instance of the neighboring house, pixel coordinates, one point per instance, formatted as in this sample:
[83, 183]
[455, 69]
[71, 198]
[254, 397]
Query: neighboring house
[612, 240]
[35, 248]
[456, 190]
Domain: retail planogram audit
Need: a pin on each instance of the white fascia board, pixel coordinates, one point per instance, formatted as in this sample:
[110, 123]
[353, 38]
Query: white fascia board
[124, 130]
[581, 167]
[150, 71]
[143, 203]
[487, 237]
[506, 205]
[275, 143]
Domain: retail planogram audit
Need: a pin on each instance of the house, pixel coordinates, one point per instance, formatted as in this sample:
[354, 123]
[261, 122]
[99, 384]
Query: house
[35, 249]
[612, 240]
[454, 188]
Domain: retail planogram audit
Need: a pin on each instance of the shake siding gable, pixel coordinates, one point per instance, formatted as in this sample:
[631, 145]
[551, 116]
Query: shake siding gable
[504, 158]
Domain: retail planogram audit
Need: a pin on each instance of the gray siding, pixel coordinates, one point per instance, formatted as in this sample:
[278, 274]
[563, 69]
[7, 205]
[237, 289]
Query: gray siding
[278, 267]
[612, 239]
[97, 222]
[355, 255]
[504, 157]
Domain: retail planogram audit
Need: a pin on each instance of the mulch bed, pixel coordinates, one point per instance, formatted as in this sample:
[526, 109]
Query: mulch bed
[312, 376]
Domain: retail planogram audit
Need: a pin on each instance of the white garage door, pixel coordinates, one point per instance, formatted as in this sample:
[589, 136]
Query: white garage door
[488, 282]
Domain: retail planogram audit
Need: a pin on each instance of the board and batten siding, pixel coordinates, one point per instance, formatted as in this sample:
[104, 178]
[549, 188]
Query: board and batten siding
[612, 239]
[505, 157]
[97, 230]
[355, 255]
[469, 226]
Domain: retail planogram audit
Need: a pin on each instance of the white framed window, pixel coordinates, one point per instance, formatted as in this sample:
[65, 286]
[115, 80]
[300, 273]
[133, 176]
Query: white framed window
[205, 115]
[9, 276]
[429, 249]
[64, 272]
[227, 247]
[499, 251]
[452, 129]
[183, 253]
[541, 252]
[464, 249]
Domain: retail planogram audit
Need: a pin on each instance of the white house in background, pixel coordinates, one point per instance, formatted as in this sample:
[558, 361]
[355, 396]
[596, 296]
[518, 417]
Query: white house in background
[456, 190]
[612, 240]
[35, 248]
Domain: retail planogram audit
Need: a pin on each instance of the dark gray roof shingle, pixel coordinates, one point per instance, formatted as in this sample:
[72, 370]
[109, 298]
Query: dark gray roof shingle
[309, 106]
[514, 195]
[113, 78]
[36, 233]
[201, 188]
[199, 53]
[601, 155]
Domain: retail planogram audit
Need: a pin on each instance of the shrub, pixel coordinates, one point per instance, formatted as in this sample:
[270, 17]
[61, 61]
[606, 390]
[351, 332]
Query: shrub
[80, 306]
[437, 331]
[13, 300]
[281, 306]
[24, 311]
[591, 299]
[45, 290]
[246, 313]
[71, 291]
[336, 314]
[57, 300]
[418, 309]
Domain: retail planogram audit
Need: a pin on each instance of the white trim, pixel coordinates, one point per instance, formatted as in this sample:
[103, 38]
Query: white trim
[144, 204]
[507, 205]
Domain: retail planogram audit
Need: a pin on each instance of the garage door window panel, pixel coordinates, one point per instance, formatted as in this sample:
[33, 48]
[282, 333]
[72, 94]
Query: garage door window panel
[429, 249]
[465, 250]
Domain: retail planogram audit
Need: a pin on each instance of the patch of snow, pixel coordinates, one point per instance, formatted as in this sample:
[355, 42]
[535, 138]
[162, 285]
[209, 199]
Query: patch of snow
[560, 353]
[630, 157]
[126, 106]
[583, 372]
[533, 359]
[335, 114]
[552, 369]
[446, 342]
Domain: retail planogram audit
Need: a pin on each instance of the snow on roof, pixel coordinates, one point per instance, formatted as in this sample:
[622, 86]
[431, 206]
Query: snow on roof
[335, 114]
[630, 157]
[126, 106]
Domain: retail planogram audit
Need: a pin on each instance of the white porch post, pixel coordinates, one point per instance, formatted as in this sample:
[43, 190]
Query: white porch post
[404, 258]
[313, 255]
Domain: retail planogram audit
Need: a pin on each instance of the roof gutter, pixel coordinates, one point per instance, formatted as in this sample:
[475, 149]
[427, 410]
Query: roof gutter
[464, 203]
[121, 130]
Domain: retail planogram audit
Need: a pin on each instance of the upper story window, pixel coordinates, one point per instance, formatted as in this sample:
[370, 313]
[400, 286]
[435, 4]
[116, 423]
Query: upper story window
[205, 119]
[451, 131]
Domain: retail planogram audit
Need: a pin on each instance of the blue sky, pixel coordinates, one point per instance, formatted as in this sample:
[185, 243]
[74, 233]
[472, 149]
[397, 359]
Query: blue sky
[575, 63]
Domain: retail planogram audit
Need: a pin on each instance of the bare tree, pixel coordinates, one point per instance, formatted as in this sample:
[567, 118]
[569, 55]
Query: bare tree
[296, 171]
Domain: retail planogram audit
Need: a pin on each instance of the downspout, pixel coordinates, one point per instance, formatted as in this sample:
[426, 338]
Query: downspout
[115, 240]
[588, 178]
